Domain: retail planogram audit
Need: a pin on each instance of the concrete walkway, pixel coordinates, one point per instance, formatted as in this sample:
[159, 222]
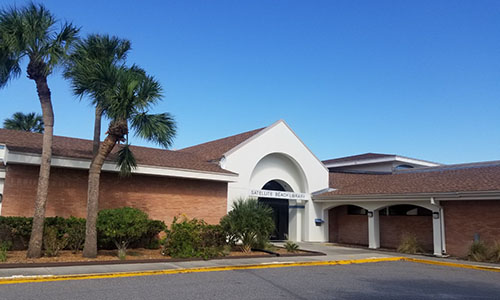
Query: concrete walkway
[333, 253]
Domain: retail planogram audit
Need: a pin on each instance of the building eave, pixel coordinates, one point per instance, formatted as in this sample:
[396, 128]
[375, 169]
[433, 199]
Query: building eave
[77, 163]
[396, 158]
[440, 196]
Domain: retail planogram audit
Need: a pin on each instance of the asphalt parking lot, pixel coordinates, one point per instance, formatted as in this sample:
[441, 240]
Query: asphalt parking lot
[382, 280]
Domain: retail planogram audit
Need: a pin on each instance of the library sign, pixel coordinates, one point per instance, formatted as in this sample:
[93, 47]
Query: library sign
[278, 194]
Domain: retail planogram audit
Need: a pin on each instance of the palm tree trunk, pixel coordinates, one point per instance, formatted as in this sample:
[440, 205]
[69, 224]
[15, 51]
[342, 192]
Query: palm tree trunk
[97, 130]
[35, 244]
[90, 247]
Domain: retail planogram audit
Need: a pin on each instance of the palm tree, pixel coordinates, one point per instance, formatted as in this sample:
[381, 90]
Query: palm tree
[89, 68]
[129, 98]
[30, 32]
[31, 122]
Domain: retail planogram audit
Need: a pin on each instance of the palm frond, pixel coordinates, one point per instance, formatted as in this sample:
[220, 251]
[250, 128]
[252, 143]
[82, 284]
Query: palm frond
[158, 128]
[58, 48]
[9, 66]
[92, 67]
[30, 122]
[31, 31]
[125, 161]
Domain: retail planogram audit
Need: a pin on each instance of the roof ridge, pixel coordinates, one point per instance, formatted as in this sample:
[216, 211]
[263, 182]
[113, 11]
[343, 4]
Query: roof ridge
[360, 156]
[227, 137]
[214, 150]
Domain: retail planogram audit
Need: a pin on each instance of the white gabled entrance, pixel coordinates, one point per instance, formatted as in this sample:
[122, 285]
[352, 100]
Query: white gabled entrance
[277, 154]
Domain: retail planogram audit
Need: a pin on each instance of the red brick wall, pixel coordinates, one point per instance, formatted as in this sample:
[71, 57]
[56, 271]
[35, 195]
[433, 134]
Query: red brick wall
[393, 227]
[160, 197]
[464, 218]
[347, 229]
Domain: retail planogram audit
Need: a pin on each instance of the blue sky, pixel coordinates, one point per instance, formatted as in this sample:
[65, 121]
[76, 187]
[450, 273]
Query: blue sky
[416, 78]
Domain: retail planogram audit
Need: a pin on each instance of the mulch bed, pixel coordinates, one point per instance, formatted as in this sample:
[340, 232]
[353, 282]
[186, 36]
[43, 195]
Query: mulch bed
[17, 259]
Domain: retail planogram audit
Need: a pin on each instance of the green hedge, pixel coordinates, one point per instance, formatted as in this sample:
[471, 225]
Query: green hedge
[17, 231]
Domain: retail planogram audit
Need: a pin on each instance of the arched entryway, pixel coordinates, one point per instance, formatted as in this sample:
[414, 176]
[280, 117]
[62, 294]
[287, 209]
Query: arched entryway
[279, 207]
[396, 221]
[348, 224]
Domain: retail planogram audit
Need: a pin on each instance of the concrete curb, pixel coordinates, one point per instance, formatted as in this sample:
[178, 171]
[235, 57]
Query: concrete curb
[452, 264]
[45, 278]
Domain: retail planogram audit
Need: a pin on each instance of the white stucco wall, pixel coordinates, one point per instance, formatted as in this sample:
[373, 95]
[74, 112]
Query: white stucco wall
[277, 153]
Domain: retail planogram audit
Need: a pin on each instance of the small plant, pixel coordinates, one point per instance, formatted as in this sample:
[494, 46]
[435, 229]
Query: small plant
[478, 251]
[4, 247]
[291, 246]
[52, 242]
[409, 244]
[122, 253]
[249, 222]
[495, 252]
[121, 226]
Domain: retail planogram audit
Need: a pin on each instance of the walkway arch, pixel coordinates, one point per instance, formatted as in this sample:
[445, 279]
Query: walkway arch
[348, 224]
[396, 221]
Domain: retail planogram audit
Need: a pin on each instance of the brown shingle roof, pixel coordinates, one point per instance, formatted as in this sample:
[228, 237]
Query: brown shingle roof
[215, 149]
[358, 157]
[452, 178]
[28, 142]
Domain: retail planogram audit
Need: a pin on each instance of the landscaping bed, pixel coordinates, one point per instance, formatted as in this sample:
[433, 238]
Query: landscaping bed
[137, 239]
[17, 259]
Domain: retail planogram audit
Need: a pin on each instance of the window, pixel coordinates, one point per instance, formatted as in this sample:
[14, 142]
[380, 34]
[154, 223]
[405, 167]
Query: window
[405, 210]
[403, 167]
[356, 210]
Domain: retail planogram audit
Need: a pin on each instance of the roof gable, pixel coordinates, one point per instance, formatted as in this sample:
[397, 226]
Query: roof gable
[214, 150]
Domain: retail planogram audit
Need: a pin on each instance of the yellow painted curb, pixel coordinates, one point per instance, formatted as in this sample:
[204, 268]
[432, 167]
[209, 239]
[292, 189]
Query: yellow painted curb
[452, 264]
[44, 278]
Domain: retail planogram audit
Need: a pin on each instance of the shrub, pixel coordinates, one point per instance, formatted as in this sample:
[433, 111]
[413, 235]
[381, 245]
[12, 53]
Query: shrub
[194, 238]
[150, 239]
[75, 229]
[4, 247]
[409, 244]
[249, 222]
[495, 252]
[58, 223]
[478, 251]
[53, 242]
[121, 226]
[213, 241]
[17, 230]
[291, 246]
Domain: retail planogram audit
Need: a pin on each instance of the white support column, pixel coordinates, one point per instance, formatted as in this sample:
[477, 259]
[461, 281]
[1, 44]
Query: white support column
[373, 230]
[443, 235]
[1, 193]
[437, 231]
[2, 182]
